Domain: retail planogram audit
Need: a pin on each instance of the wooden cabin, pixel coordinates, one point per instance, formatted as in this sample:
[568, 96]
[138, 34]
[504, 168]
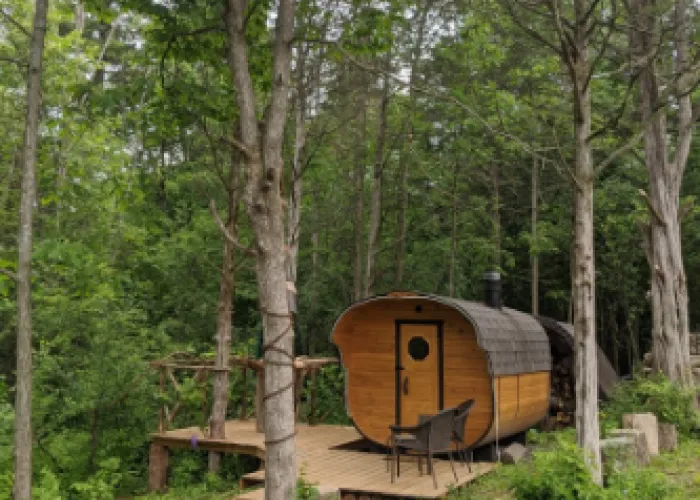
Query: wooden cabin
[407, 354]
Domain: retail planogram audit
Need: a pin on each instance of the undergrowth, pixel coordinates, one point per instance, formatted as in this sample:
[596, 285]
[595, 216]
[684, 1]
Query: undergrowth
[557, 470]
[670, 402]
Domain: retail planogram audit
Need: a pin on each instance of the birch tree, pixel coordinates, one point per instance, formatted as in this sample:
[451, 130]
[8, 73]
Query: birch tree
[574, 25]
[261, 145]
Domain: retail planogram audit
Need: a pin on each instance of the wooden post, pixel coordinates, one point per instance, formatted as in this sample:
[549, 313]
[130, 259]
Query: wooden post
[204, 397]
[260, 401]
[244, 406]
[299, 375]
[161, 411]
[158, 468]
[312, 404]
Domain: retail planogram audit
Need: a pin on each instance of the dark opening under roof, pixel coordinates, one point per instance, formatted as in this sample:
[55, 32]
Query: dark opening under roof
[561, 336]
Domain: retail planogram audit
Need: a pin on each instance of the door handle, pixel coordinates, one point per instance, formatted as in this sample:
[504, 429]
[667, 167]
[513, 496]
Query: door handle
[405, 386]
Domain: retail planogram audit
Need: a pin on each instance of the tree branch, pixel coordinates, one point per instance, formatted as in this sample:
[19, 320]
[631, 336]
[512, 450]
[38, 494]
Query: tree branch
[10, 274]
[431, 93]
[12, 60]
[225, 231]
[15, 23]
[534, 34]
[620, 151]
[652, 208]
[685, 209]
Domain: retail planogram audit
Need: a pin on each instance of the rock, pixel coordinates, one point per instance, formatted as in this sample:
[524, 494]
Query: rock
[668, 437]
[626, 446]
[647, 423]
[327, 492]
[514, 453]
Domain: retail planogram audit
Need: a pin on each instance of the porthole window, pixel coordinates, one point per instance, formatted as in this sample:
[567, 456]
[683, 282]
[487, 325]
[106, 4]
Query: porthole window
[418, 348]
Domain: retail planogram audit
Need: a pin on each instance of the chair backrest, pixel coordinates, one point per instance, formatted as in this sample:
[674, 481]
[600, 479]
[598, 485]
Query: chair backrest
[460, 421]
[441, 429]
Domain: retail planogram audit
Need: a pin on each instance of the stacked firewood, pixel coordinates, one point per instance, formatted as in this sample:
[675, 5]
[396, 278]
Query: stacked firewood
[563, 392]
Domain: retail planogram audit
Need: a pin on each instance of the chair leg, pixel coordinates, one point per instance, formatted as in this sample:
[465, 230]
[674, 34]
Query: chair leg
[393, 455]
[470, 460]
[388, 453]
[398, 462]
[432, 468]
[452, 464]
[420, 464]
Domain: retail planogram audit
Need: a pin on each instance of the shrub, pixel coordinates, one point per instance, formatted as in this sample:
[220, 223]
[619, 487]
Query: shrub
[648, 485]
[669, 401]
[559, 473]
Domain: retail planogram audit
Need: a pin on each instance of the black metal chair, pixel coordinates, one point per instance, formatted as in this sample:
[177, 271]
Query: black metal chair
[433, 435]
[460, 431]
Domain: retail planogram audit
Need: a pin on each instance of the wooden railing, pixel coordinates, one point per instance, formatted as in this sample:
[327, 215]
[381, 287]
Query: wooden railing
[201, 370]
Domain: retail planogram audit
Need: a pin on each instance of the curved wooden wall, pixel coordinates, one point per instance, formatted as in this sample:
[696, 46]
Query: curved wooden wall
[522, 401]
[365, 336]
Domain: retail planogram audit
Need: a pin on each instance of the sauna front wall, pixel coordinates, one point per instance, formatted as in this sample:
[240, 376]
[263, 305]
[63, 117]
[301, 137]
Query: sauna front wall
[366, 338]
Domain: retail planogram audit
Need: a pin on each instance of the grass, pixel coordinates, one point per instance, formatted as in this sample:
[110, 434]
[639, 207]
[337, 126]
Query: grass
[681, 468]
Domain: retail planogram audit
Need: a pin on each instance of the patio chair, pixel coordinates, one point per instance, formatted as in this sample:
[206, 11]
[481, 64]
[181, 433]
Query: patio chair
[433, 435]
[460, 431]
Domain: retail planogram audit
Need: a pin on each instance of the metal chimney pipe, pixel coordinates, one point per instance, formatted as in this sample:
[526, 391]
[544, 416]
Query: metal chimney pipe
[492, 289]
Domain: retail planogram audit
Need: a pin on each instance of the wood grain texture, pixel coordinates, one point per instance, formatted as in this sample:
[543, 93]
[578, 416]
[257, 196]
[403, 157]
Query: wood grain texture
[522, 401]
[366, 338]
[419, 379]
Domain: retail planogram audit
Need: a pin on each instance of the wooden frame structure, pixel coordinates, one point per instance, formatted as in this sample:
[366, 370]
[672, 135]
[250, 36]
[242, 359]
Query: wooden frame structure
[201, 370]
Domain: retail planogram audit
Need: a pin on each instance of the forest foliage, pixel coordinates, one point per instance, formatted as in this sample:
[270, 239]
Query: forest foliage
[138, 121]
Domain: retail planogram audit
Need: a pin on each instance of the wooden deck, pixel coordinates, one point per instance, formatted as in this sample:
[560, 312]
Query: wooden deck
[352, 472]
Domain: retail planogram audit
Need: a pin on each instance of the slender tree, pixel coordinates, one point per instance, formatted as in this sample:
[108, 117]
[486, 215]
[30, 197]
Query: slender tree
[23, 404]
[224, 310]
[571, 40]
[262, 150]
[375, 208]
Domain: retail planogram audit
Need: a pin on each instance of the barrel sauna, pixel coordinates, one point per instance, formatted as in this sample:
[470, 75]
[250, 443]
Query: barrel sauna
[409, 354]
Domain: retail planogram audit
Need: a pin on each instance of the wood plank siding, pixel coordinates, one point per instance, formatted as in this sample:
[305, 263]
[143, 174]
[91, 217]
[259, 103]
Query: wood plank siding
[372, 339]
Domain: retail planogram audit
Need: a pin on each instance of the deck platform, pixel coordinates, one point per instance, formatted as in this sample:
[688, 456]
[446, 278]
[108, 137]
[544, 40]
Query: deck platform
[323, 463]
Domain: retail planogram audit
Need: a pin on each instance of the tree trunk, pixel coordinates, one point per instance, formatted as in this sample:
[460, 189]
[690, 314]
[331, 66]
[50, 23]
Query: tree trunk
[587, 430]
[23, 401]
[310, 338]
[224, 317]
[375, 214]
[453, 237]
[294, 218]
[669, 293]
[406, 158]
[263, 197]
[359, 203]
[496, 215]
[534, 258]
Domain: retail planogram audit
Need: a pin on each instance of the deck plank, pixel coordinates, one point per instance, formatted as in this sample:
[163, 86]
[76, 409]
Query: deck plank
[348, 471]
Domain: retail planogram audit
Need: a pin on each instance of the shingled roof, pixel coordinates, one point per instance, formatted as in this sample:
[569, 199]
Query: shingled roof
[514, 341]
